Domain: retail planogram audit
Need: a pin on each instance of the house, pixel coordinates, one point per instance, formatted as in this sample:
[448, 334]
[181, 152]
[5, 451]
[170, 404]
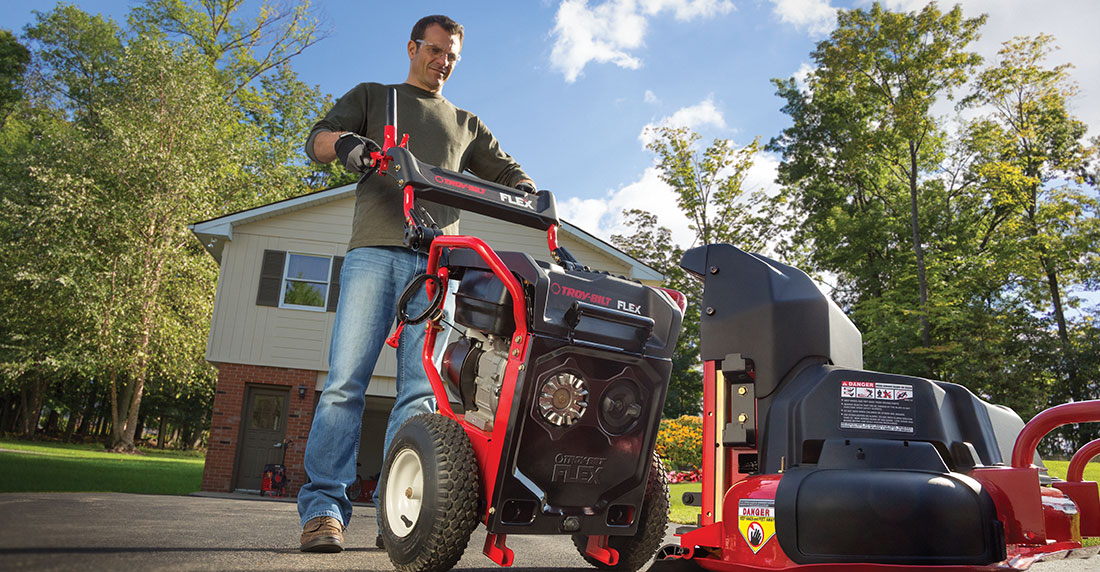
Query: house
[273, 315]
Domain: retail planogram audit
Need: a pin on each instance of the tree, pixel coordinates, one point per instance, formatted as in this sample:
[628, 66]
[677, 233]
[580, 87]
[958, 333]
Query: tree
[860, 160]
[1034, 164]
[127, 137]
[14, 58]
[242, 50]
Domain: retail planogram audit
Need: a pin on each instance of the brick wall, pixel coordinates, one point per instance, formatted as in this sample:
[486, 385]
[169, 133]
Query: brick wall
[225, 427]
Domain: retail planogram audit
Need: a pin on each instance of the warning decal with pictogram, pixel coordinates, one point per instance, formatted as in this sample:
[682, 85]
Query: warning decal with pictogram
[756, 521]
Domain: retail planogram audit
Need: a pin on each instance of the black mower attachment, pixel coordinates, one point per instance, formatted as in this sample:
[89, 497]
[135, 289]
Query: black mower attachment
[811, 462]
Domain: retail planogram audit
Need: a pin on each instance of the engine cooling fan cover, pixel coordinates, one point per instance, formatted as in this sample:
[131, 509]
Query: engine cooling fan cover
[563, 399]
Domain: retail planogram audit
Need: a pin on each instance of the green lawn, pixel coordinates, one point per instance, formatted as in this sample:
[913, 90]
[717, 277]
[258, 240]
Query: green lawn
[688, 514]
[677, 511]
[57, 467]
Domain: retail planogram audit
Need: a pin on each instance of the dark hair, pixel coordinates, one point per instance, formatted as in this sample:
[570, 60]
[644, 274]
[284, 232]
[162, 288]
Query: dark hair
[450, 26]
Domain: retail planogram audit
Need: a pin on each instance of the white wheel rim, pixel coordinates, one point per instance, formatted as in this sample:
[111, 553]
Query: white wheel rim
[404, 492]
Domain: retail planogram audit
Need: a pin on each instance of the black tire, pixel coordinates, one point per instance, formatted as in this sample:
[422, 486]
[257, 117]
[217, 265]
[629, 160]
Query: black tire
[355, 489]
[635, 551]
[428, 494]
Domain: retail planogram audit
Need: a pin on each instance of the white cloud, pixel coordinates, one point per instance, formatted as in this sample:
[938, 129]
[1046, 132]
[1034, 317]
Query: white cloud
[816, 17]
[687, 10]
[802, 76]
[650, 97]
[603, 216]
[702, 114]
[611, 31]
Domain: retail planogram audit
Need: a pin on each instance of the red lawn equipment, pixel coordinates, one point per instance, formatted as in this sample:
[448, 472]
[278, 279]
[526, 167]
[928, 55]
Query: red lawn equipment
[273, 481]
[561, 374]
[810, 462]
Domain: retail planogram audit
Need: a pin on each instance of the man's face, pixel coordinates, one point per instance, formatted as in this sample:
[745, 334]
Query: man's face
[432, 59]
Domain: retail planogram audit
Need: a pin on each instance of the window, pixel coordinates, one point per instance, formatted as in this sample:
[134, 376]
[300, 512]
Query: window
[299, 281]
[305, 281]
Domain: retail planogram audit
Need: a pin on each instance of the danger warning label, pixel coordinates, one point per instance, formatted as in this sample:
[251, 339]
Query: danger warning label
[876, 406]
[756, 521]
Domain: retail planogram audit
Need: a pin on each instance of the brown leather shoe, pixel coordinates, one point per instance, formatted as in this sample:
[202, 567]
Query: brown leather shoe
[323, 534]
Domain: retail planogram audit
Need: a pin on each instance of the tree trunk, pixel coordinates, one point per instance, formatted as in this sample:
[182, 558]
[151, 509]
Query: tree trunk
[75, 419]
[51, 423]
[86, 418]
[5, 413]
[154, 264]
[31, 400]
[118, 424]
[918, 249]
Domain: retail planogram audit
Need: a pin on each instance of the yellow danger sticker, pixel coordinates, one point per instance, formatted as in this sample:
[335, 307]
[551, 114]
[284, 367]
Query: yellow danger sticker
[756, 521]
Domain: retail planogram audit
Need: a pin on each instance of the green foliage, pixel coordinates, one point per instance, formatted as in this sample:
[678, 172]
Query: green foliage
[125, 136]
[680, 442]
[304, 294]
[858, 170]
[14, 58]
[956, 253]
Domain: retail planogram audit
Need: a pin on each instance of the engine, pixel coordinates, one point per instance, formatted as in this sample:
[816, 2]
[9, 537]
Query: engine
[475, 365]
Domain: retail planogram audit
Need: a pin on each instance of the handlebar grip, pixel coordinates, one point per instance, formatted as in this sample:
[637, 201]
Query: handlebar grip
[391, 108]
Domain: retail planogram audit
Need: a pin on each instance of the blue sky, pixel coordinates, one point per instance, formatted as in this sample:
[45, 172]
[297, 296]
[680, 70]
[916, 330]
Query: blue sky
[569, 86]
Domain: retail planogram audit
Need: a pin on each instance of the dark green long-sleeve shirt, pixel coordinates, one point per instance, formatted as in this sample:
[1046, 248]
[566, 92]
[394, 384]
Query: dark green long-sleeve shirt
[439, 134]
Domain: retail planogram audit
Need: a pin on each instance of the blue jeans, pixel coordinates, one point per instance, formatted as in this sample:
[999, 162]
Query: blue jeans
[371, 281]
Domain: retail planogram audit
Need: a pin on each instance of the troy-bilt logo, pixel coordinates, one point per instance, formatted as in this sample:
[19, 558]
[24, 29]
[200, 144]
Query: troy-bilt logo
[585, 296]
[518, 201]
[459, 185]
[577, 469]
[581, 295]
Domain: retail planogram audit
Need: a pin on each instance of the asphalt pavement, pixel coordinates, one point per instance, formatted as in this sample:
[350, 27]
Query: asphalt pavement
[117, 531]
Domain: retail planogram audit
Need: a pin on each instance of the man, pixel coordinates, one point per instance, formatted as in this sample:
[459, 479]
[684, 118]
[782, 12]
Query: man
[377, 266]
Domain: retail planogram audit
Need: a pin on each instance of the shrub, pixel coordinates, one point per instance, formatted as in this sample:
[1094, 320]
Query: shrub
[680, 442]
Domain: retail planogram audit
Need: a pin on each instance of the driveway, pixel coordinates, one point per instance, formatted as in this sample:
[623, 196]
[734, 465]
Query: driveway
[115, 531]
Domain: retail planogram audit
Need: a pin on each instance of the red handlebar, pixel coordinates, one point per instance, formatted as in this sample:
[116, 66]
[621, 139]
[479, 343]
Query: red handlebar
[1080, 412]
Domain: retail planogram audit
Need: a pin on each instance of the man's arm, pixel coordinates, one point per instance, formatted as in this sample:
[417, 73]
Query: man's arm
[324, 145]
[489, 162]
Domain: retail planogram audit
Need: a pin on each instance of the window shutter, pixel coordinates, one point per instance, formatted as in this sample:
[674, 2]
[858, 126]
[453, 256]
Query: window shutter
[271, 278]
[334, 284]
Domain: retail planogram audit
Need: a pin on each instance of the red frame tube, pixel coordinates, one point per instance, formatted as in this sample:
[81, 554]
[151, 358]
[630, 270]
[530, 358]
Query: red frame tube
[488, 446]
[1077, 465]
[1080, 412]
[710, 439]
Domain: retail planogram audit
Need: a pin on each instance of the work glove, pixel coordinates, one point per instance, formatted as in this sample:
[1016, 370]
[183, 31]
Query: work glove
[526, 187]
[354, 152]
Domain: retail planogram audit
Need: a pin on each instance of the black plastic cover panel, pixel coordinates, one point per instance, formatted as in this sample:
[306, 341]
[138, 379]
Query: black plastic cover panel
[769, 312]
[822, 402]
[623, 315]
[880, 516]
